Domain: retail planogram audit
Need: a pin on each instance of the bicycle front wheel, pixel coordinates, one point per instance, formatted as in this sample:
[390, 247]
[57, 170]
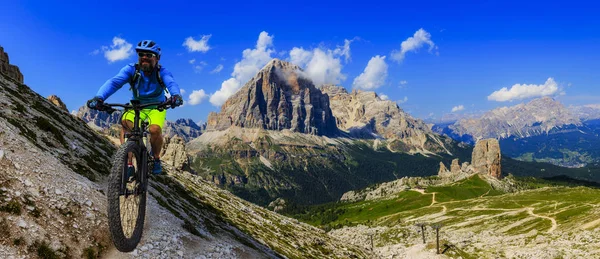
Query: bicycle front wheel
[126, 201]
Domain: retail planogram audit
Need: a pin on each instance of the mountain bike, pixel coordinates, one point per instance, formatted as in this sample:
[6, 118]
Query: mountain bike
[128, 180]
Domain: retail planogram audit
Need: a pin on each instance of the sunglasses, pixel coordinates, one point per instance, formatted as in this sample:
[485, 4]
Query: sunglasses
[148, 55]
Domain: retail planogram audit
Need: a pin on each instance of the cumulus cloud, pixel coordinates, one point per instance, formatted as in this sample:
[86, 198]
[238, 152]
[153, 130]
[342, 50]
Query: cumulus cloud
[119, 50]
[217, 69]
[192, 61]
[252, 61]
[412, 44]
[344, 50]
[458, 108]
[374, 74]
[197, 96]
[197, 45]
[383, 97]
[523, 91]
[321, 65]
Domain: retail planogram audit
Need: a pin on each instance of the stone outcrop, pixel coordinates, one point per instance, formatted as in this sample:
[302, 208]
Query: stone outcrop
[485, 160]
[173, 153]
[454, 167]
[58, 102]
[486, 157]
[277, 205]
[443, 170]
[364, 114]
[277, 98]
[9, 70]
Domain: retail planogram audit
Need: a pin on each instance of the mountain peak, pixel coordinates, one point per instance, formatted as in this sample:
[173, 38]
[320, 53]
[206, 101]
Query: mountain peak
[278, 97]
[281, 64]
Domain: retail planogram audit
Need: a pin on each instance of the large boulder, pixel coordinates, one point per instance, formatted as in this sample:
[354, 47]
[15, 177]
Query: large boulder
[173, 152]
[58, 102]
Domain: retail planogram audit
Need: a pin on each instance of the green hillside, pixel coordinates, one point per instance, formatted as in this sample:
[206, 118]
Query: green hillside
[309, 174]
[472, 210]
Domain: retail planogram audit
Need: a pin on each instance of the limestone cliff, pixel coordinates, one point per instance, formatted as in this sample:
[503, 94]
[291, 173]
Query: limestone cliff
[277, 98]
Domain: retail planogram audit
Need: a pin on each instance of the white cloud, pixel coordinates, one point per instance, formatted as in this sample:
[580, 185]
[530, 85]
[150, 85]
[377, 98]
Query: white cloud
[344, 50]
[119, 50]
[197, 45]
[383, 97]
[95, 52]
[374, 74]
[197, 96]
[217, 69]
[192, 61]
[322, 66]
[418, 40]
[253, 60]
[523, 91]
[458, 108]
[402, 101]
[403, 82]
[182, 91]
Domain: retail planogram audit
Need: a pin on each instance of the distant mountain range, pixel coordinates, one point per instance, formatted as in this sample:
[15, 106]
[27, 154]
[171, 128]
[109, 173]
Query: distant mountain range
[184, 128]
[541, 130]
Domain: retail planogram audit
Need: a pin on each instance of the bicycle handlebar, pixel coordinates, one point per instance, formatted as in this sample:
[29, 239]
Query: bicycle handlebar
[108, 107]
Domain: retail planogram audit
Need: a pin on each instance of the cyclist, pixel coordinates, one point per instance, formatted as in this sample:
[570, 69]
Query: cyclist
[146, 87]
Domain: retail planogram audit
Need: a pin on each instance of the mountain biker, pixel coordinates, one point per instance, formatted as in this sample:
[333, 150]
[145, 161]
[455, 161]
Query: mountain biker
[148, 88]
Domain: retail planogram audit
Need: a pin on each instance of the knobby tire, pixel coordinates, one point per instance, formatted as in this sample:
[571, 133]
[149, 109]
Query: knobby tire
[120, 240]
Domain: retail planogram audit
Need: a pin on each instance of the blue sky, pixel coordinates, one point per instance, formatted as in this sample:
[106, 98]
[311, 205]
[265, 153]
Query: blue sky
[431, 57]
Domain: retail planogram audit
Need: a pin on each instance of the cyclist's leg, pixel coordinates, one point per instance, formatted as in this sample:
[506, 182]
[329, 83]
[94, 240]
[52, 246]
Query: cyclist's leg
[157, 121]
[127, 124]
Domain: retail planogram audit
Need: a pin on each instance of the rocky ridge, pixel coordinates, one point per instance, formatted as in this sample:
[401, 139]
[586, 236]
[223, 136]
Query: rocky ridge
[9, 70]
[536, 117]
[363, 114]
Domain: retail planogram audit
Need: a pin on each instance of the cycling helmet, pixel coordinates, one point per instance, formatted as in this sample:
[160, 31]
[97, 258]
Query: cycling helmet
[149, 46]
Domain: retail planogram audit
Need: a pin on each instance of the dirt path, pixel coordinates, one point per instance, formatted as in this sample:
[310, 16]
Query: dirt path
[485, 193]
[591, 224]
[433, 199]
[421, 191]
[554, 225]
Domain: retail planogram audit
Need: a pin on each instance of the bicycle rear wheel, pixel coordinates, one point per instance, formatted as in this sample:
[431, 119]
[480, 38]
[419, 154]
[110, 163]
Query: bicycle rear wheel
[126, 201]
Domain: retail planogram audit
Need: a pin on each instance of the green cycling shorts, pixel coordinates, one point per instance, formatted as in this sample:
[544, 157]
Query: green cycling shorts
[153, 116]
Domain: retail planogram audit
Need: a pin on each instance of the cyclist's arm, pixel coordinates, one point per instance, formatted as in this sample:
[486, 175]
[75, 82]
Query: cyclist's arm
[115, 83]
[169, 81]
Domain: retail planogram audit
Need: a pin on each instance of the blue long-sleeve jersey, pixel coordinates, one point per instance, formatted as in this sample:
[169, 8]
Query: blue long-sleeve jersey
[147, 90]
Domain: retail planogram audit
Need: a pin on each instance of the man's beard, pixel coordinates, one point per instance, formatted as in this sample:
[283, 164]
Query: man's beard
[147, 67]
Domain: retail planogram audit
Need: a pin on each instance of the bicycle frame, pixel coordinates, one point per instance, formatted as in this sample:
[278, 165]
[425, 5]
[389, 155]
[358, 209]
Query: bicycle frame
[138, 134]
